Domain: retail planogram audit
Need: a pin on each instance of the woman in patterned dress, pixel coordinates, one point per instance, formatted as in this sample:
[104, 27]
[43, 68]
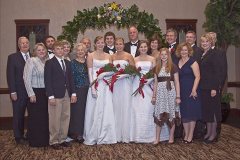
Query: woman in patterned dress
[81, 82]
[166, 95]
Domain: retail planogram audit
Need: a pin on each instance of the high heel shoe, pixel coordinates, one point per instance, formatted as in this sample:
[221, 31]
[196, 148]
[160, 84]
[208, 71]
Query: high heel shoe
[207, 141]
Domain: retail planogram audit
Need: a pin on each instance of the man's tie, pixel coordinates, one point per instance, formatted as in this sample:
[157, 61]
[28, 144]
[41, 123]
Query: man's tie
[63, 67]
[26, 57]
[133, 44]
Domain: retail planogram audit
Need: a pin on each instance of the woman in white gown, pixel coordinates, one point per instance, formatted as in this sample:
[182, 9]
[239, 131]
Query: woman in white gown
[142, 129]
[122, 93]
[99, 125]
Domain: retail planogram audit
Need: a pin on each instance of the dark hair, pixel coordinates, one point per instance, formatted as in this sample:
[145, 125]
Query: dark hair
[109, 34]
[153, 38]
[138, 46]
[49, 37]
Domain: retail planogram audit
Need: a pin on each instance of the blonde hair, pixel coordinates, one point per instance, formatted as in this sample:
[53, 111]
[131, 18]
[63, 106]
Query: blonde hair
[65, 42]
[80, 45]
[208, 37]
[36, 47]
[214, 37]
[119, 39]
[180, 46]
[169, 66]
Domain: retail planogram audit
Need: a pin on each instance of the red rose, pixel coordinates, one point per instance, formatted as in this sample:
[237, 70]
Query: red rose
[118, 65]
[139, 69]
[111, 65]
[121, 70]
[172, 50]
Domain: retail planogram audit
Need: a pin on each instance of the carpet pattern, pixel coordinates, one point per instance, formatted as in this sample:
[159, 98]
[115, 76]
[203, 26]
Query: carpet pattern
[227, 148]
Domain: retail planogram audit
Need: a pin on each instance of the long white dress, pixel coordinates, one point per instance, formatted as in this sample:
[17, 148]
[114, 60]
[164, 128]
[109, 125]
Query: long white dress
[142, 128]
[122, 104]
[99, 125]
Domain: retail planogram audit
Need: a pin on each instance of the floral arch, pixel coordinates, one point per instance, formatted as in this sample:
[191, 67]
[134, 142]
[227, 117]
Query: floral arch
[108, 15]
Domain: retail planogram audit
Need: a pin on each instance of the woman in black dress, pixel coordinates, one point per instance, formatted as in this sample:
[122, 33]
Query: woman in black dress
[81, 82]
[210, 89]
[38, 132]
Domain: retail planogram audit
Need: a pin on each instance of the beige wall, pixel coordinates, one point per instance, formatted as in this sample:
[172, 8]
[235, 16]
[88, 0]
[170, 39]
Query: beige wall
[61, 11]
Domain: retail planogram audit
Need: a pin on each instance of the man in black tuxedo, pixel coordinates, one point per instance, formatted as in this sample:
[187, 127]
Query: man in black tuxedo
[171, 37]
[109, 39]
[191, 39]
[131, 47]
[18, 93]
[59, 87]
[49, 41]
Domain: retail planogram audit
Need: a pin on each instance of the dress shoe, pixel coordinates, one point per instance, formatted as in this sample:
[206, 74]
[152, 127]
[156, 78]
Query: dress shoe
[80, 140]
[188, 142]
[56, 146]
[207, 141]
[65, 144]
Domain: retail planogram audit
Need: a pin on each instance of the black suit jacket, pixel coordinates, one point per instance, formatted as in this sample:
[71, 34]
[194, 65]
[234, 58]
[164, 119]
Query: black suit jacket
[175, 59]
[210, 71]
[127, 48]
[55, 81]
[222, 63]
[197, 53]
[15, 67]
[106, 49]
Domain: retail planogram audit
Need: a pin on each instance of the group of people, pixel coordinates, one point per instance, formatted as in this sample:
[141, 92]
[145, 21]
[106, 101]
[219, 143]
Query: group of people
[67, 98]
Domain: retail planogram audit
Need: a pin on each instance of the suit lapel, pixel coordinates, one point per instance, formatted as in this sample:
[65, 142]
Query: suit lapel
[56, 63]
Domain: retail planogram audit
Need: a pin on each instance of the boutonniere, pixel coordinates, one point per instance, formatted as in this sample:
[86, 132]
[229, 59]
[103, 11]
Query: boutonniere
[172, 50]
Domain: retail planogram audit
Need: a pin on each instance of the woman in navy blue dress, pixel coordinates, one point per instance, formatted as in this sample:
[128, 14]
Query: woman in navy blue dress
[189, 77]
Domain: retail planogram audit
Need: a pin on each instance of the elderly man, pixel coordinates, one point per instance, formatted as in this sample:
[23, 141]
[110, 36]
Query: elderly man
[18, 93]
[131, 47]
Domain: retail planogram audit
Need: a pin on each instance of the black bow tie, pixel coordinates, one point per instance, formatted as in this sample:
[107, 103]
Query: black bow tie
[50, 52]
[111, 49]
[170, 46]
[133, 44]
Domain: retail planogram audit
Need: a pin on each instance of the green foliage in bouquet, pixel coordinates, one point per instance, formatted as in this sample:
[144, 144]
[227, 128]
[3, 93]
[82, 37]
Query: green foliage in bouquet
[131, 70]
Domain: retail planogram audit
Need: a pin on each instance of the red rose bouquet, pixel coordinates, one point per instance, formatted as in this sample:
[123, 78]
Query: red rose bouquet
[128, 71]
[106, 71]
[146, 79]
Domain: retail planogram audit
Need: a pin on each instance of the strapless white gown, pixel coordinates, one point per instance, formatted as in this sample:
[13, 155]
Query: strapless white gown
[142, 128]
[99, 125]
[122, 104]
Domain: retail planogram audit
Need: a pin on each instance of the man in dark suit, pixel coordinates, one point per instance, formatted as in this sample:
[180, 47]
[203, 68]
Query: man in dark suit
[171, 37]
[222, 60]
[131, 46]
[109, 39]
[59, 87]
[191, 39]
[49, 41]
[18, 93]
[222, 64]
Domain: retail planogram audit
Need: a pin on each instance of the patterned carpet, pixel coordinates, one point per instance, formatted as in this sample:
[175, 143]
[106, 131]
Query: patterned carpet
[228, 148]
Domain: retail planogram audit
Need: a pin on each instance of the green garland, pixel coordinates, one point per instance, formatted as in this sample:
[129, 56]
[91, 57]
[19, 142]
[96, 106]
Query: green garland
[108, 15]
